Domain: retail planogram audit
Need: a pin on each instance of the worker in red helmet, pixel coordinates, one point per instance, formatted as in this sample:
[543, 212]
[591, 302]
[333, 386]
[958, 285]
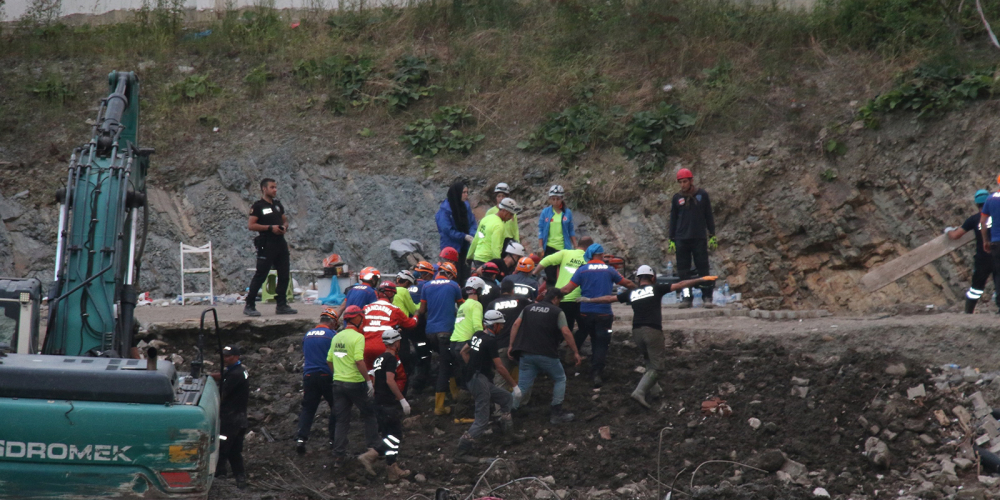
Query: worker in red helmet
[692, 235]
[380, 316]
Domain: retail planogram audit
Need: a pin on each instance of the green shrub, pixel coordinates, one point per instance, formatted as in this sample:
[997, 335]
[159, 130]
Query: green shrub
[409, 83]
[257, 79]
[651, 132]
[430, 136]
[930, 90]
[192, 88]
[52, 89]
[568, 132]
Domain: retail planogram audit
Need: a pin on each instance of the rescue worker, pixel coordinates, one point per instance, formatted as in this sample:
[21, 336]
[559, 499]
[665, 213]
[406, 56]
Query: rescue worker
[511, 231]
[390, 404]
[490, 275]
[480, 358]
[522, 282]
[567, 261]
[448, 254]
[363, 293]
[457, 225]
[411, 336]
[423, 348]
[380, 316]
[438, 302]
[555, 229]
[234, 392]
[268, 218]
[596, 279]
[488, 243]
[692, 235]
[510, 304]
[647, 321]
[468, 320]
[534, 343]
[512, 251]
[991, 239]
[352, 386]
[403, 300]
[982, 264]
[317, 379]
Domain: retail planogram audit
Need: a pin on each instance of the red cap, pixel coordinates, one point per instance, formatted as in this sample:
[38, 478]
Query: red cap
[684, 174]
[490, 267]
[449, 253]
[352, 311]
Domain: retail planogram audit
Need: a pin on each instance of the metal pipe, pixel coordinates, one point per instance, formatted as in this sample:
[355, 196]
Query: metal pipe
[131, 248]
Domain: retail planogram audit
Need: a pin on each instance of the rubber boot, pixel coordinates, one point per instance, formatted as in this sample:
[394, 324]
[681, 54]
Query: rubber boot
[559, 415]
[970, 305]
[687, 299]
[453, 387]
[506, 423]
[439, 407]
[368, 459]
[463, 453]
[639, 394]
[707, 302]
[395, 473]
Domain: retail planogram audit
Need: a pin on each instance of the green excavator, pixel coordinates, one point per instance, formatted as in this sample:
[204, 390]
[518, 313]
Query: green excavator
[82, 415]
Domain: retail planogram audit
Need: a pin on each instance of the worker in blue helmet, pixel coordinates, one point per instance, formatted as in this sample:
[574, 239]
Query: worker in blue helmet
[982, 263]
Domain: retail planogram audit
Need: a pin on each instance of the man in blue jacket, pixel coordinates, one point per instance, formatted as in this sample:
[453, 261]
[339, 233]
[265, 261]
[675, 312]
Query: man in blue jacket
[555, 229]
[317, 378]
[457, 224]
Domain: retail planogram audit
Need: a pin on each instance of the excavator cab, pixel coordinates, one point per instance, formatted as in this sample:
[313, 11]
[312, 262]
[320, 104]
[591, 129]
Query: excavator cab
[19, 315]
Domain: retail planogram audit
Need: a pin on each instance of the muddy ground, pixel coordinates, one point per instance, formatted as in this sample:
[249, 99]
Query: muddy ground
[818, 389]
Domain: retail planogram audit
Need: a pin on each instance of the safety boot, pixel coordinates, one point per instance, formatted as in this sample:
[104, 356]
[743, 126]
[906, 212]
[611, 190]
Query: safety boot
[439, 407]
[300, 447]
[559, 415]
[241, 482]
[368, 459]
[463, 453]
[395, 473]
[506, 423]
[250, 310]
[639, 394]
[970, 305]
[707, 302]
[687, 299]
[284, 309]
[453, 387]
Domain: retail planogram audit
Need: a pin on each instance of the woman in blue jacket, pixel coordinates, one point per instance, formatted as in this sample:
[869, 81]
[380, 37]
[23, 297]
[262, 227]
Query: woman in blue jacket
[555, 229]
[457, 224]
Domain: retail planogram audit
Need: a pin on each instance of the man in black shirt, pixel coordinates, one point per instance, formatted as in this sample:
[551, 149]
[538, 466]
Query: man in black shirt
[510, 305]
[534, 342]
[267, 217]
[525, 285]
[481, 358]
[982, 263]
[390, 405]
[235, 391]
[647, 321]
[692, 235]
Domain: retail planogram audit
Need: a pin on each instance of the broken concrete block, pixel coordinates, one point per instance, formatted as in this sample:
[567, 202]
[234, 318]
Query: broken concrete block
[927, 440]
[981, 440]
[989, 480]
[916, 392]
[800, 391]
[969, 374]
[800, 381]
[877, 452]
[948, 467]
[821, 492]
[963, 416]
[794, 469]
[942, 418]
[962, 463]
[897, 370]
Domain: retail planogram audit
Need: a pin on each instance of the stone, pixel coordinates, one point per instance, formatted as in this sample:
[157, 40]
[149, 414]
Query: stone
[971, 493]
[948, 467]
[821, 492]
[770, 460]
[941, 418]
[783, 476]
[265, 350]
[896, 370]
[438, 432]
[562, 494]
[970, 374]
[549, 480]
[800, 391]
[420, 478]
[177, 359]
[989, 480]
[962, 463]
[914, 424]
[927, 440]
[543, 494]
[916, 392]
[771, 427]
[800, 381]
[605, 432]
[794, 469]
[754, 423]
[877, 452]
[411, 422]
[889, 435]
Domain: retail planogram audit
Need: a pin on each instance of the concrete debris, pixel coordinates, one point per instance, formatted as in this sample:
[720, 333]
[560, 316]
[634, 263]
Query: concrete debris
[916, 392]
[549, 480]
[596, 493]
[800, 381]
[562, 494]
[420, 478]
[640, 369]
[726, 389]
[877, 452]
[796, 471]
[970, 374]
[896, 370]
[800, 391]
[821, 492]
[927, 440]
[947, 467]
[265, 350]
[943, 420]
[605, 432]
[543, 494]
[754, 423]
[989, 480]
[177, 359]
[963, 463]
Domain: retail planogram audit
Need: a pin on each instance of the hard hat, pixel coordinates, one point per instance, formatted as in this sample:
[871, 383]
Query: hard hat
[449, 253]
[448, 268]
[493, 317]
[369, 274]
[475, 283]
[684, 174]
[556, 190]
[525, 265]
[406, 275]
[352, 311]
[981, 196]
[424, 267]
[491, 268]
[645, 271]
[509, 205]
[502, 188]
[515, 248]
[329, 312]
[387, 288]
[391, 336]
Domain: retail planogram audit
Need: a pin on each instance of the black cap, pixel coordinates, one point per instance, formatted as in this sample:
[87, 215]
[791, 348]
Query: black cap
[231, 350]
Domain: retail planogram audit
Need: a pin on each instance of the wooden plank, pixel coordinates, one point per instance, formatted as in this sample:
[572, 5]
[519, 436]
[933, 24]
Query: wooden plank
[913, 260]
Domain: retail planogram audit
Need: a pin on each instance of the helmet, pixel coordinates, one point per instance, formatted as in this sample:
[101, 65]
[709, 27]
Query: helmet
[515, 248]
[448, 268]
[684, 174]
[387, 288]
[329, 312]
[369, 274]
[424, 267]
[509, 205]
[352, 311]
[491, 268]
[557, 190]
[449, 253]
[493, 317]
[525, 265]
[476, 284]
[981, 196]
[502, 188]
[645, 271]
[406, 275]
[391, 336]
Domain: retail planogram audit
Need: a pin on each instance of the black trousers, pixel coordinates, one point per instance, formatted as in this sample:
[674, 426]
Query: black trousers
[346, 395]
[598, 328]
[231, 450]
[390, 426]
[445, 363]
[551, 272]
[273, 253]
[572, 311]
[315, 388]
[696, 251]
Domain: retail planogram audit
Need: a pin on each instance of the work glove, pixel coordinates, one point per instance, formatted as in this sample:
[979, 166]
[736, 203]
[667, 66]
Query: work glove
[948, 229]
[469, 238]
[671, 246]
[405, 405]
[516, 393]
[585, 300]
[713, 243]
[371, 389]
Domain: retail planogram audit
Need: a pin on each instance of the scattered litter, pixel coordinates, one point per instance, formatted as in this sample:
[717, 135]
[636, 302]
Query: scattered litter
[716, 406]
[605, 432]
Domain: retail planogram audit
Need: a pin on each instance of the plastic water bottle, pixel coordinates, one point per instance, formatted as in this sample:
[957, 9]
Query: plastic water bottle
[697, 302]
[725, 293]
[670, 268]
